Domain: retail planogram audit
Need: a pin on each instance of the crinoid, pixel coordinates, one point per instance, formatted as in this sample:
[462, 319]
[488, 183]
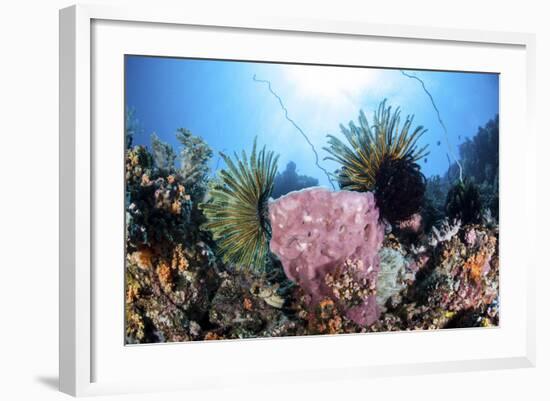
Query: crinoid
[399, 189]
[382, 158]
[237, 211]
[464, 203]
[371, 145]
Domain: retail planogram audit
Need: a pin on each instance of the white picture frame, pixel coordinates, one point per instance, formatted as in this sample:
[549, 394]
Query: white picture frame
[79, 317]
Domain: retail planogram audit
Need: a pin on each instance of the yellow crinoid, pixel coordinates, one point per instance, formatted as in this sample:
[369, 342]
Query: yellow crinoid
[370, 145]
[237, 212]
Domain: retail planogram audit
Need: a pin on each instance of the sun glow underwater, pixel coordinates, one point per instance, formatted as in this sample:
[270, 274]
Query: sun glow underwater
[297, 200]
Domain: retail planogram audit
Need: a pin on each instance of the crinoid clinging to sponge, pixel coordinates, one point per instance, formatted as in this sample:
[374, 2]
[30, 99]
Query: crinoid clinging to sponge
[382, 158]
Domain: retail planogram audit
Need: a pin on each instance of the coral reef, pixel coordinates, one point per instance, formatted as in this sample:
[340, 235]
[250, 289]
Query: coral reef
[456, 284]
[169, 273]
[237, 209]
[479, 154]
[433, 210]
[464, 203]
[163, 154]
[328, 244]
[479, 158]
[464, 273]
[212, 258]
[445, 232]
[158, 207]
[168, 297]
[413, 224]
[289, 180]
[248, 306]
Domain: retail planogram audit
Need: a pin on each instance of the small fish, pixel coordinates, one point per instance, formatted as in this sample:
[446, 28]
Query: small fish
[459, 137]
[425, 160]
[438, 143]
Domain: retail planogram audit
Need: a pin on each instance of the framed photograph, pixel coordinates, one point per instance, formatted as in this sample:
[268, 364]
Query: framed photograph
[290, 199]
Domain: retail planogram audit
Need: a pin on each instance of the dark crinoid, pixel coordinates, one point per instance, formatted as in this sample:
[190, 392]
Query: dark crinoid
[399, 188]
[464, 203]
[382, 157]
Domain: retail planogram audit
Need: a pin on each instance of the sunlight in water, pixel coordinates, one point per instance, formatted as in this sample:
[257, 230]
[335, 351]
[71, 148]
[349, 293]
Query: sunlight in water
[331, 83]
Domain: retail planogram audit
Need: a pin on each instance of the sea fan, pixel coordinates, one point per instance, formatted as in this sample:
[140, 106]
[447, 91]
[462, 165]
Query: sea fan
[237, 211]
[371, 145]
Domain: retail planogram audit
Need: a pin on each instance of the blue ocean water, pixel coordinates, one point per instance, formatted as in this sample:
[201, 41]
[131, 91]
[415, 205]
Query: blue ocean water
[221, 102]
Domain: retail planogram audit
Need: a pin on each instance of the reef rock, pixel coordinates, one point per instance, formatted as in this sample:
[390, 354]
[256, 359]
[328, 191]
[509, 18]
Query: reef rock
[246, 306]
[328, 243]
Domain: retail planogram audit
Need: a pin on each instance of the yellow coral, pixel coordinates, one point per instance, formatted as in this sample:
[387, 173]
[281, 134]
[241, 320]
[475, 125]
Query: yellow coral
[176, 207]
[247, 304]
[179, 261]
[335, 325]
[133, 157]
[134, 324]
[326, 307]
[164, 273]
[475, 265]
[132, 292]
[212, 336]
[449, 314]
[142, 258]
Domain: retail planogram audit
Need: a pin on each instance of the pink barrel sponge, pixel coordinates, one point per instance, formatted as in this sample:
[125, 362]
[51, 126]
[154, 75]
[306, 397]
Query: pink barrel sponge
[322, 236]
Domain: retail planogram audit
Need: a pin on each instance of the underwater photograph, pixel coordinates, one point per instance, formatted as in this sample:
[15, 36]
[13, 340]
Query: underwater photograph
[267, 199]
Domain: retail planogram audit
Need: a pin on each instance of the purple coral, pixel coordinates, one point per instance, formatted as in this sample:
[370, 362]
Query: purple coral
[328, 243]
